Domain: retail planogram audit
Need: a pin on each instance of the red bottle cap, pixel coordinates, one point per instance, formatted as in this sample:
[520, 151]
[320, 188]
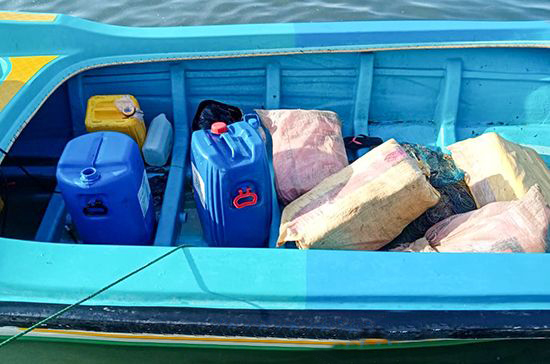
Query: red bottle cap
[218, 128]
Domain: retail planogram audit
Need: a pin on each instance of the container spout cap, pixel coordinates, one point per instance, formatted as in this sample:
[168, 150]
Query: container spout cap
[89, 175]
[218, 128]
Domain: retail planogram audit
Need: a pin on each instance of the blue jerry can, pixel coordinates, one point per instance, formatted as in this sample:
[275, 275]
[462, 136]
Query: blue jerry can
[103, 182]
[232, 185]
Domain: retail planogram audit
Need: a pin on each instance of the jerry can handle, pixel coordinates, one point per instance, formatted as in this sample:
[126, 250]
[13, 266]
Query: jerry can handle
[250, 199]
[95, 208]
[231, 144]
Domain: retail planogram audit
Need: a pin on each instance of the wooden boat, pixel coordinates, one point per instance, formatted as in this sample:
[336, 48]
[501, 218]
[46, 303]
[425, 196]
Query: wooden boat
[428, 82]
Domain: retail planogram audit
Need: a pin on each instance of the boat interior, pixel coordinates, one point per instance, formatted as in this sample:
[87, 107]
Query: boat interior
[433, 97]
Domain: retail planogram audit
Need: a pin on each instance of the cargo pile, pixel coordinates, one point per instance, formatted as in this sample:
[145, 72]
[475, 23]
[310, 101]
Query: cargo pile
[358, 192]
[489, 195]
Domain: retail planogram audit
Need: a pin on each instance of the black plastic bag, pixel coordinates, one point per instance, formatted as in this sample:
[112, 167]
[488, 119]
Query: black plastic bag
[355, 143]
[361, 141]
[210, 111]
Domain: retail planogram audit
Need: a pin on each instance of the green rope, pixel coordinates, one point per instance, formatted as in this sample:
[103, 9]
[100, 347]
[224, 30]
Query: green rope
[62, 311]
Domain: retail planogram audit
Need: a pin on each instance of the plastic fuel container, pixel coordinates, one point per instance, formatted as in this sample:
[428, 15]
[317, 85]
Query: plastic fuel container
[232, 185]
[116, 113]
[158, 143]
[105, 188]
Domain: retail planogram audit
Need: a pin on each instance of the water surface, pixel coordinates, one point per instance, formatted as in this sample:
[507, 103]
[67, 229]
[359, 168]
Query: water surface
[202, 12]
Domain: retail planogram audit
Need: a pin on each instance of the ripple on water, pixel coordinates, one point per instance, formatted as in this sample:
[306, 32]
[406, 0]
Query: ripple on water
[200, 12]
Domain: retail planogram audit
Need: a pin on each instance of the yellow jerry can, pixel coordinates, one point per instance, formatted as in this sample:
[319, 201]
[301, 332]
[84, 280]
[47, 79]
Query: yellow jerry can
[116, 113]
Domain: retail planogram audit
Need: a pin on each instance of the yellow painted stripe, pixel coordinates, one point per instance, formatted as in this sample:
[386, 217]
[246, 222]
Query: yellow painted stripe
[14, 16]
[212, 339]
[22, 70]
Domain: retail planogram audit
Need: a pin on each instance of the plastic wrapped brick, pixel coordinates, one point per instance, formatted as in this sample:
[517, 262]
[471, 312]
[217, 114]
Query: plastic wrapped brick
[307, 147]
[363, 206]
[499, 170]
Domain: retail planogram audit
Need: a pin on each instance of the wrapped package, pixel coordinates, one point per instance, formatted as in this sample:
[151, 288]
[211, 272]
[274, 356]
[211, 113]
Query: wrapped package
[364, 206]
[499, 170]
[307, 147]
[499, 227]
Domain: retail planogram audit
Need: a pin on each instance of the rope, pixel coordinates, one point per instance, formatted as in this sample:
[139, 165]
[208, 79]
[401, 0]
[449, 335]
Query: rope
[67, 308]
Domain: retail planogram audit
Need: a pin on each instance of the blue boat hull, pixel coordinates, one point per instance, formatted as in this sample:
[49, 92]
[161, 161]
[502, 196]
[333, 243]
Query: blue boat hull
[431, 83]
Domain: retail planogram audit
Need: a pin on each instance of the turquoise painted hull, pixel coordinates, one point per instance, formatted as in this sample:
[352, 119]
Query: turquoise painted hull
[427, 82]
